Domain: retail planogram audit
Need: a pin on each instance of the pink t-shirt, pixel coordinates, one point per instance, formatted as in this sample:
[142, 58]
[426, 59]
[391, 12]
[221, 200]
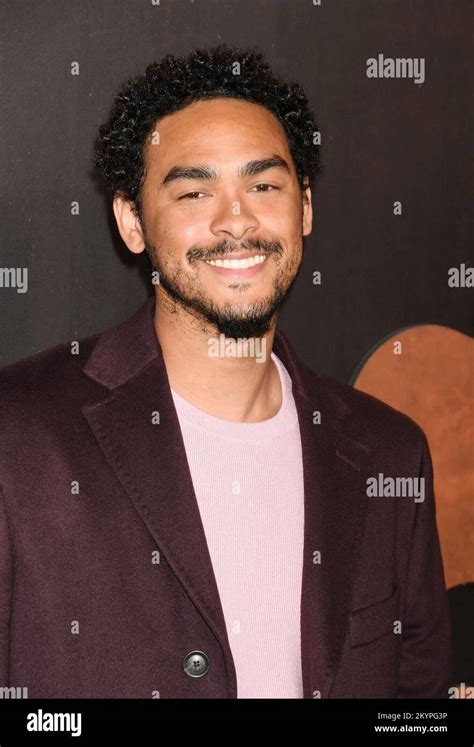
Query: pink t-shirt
[248, 480]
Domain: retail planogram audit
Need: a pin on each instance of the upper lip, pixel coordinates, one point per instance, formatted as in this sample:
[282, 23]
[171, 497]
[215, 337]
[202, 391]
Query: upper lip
[240, 255]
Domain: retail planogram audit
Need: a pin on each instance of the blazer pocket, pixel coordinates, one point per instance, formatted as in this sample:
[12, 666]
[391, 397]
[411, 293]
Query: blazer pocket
[370, 623]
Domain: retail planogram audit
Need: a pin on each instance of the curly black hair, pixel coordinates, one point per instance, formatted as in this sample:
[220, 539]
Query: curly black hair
[176, 82]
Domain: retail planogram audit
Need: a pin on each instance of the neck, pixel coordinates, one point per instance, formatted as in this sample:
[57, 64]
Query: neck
[242, 388]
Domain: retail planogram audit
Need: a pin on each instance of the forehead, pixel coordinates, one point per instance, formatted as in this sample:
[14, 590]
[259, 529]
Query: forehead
[217, 130]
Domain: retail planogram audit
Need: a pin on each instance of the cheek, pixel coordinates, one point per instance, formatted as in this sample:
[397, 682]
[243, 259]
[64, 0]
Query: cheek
[191, 233]
[174, 233]
[284, 220]
[183, 230]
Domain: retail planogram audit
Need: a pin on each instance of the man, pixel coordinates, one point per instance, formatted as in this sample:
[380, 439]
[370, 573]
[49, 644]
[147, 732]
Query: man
[186, 508]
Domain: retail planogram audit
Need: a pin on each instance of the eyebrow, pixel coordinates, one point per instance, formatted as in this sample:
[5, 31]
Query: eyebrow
[251, 168]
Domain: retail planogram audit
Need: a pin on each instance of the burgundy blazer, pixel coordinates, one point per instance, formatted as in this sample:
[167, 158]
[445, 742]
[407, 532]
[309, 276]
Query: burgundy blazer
[106, 582]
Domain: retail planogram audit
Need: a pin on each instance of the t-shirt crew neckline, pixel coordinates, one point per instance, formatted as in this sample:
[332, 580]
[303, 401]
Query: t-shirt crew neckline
[283, 421]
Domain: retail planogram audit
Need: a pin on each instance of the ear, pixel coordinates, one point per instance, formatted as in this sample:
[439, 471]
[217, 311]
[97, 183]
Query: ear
[128, 223]
[307, 208]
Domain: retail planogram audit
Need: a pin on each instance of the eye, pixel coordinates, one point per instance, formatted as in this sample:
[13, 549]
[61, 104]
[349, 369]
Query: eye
[267, 187]
[190, 195]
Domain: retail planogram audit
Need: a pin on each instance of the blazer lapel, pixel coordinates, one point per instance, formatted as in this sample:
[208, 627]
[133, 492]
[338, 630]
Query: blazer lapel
[150, 461]
[149, 458]
[335, 468]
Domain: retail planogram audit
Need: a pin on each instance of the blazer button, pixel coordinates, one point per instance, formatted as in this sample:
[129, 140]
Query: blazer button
[196, 664]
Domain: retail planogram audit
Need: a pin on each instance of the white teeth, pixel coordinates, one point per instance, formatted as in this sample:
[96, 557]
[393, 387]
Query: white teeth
[234, 264]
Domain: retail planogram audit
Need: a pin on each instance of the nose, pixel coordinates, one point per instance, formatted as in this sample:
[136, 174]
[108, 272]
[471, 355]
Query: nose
[233, 219]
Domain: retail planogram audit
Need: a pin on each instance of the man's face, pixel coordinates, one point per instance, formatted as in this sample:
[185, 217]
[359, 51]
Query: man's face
[221, 184]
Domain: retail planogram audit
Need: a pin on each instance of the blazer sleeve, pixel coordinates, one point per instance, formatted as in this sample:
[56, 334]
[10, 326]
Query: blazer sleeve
[426, 658]
[6, 583]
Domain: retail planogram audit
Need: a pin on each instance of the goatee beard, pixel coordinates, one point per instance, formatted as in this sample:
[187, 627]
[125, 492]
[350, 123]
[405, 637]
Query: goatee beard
[254, 321]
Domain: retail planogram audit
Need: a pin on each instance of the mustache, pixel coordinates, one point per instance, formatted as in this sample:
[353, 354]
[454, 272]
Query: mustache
[227, 246]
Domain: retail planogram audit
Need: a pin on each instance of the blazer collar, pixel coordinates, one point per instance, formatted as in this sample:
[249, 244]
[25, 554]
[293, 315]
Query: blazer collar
[149, 459]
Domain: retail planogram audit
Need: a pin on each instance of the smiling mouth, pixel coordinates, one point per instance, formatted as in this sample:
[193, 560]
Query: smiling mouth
[238, 264]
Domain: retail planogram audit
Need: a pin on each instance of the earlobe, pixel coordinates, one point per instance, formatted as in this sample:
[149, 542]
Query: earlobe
[128, 224]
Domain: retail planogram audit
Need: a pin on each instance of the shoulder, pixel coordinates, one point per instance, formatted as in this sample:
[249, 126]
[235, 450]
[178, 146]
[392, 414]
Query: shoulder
[41, 380]
[367, 418]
